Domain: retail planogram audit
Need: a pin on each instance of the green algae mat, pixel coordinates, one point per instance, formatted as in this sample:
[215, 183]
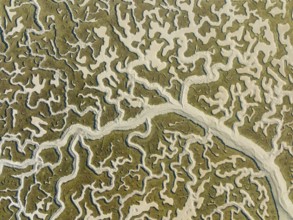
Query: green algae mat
[146, 109]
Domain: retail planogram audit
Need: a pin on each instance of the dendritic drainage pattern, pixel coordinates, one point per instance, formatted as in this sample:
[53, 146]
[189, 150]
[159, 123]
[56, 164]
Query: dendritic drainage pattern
[146, 109]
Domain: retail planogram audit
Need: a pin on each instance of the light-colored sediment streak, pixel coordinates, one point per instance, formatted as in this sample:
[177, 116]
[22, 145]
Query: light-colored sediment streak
[228, 136]
[249, 148]
[65, 179]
